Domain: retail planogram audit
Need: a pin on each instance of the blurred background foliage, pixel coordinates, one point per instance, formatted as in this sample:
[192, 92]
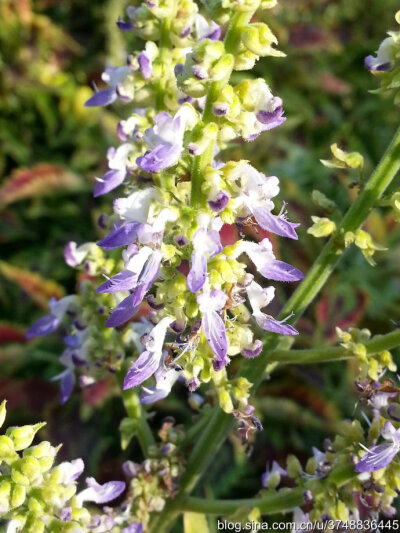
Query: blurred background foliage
[51, 147]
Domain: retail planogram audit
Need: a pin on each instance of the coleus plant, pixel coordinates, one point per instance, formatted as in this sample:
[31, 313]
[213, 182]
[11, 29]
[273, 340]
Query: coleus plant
[162, 245]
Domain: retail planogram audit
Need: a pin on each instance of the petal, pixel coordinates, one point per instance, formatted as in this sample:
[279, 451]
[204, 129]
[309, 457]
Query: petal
[281, 271]
[136, 527]
[66, 386]
[271, 324]
[145, 65]
[275, 224]
[219, 202]
[253, 351]
[101, 98]
[150, 270]
[101, 493]
[163, 156]
[44, 326]
[214, 330]
[142, 369]
[126, 309]
[124, 281]
[376, 458]
[198, 272]
[120, 236]
[108, 182]
[152, 394]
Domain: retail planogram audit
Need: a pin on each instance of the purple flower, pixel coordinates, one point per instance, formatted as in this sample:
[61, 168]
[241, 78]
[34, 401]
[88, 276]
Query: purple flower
[124, 26]
[165, 140]
[219, 202]
[260, 298]
[136, 527]
[75, 255]
[206, 244]
[149, 360]
[210, 303]
[165, 379]
[253, 351]
[380, 456]
[204, 30]
[120, 235]
[275, 223]
[145, 65]
[258, 190]
[101, 493]
[114, 77]
[264, 259]
[117, 162]
[273, 475]
[384, 57]
[49, 323]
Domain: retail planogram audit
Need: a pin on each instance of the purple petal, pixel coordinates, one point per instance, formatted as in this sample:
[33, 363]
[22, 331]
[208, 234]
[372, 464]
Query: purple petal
[198, 272]
[145, 65]
[153, 395]
[214, 330]
[271, 119]
[124, 26]
[219, 364]
[110, 180]
[372, 66]
[220, 201]
[281, 271]
[44, 326]
[150, 271]
[275, 224]
[163, 156]
[378, 457]
[254, 351]
[126, 309]
[66, 386]
[136, 527]
[270, 324]
[102, 98]
[103, 493]
[141, 370]
[120, 236]
[124, 281]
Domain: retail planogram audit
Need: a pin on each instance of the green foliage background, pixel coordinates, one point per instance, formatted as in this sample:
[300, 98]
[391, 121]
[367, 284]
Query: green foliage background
[50, 52]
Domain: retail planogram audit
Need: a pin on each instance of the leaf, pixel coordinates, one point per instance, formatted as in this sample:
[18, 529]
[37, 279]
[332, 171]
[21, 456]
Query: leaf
[39, 289]
[194, 523]
[10, 333]
[36, 181]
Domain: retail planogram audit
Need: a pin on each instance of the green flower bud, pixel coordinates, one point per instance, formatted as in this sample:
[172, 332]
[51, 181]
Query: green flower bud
[5, 491]
[322, 227]
[225, 401]
[18, 496]
[258, 38]
[222, 68]
[23, 436]
[7, 449]
[342, 159]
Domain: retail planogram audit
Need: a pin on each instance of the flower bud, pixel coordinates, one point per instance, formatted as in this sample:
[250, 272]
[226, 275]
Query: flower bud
[258, 38]
[322, 227]
[225, 401]
[3, 412]
[23, 436]
[18, 496]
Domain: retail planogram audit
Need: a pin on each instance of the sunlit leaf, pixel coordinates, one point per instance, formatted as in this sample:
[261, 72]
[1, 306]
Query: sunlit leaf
[37, 181]
[39, 289]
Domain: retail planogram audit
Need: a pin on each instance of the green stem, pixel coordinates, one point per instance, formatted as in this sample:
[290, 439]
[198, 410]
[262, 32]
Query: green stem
[253, 369]
[278, 502]
[323, 355]
[136, 412]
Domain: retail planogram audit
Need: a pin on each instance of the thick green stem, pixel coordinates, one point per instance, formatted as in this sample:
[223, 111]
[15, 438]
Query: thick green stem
[323, 355]
[278, 502]
[253, 369]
